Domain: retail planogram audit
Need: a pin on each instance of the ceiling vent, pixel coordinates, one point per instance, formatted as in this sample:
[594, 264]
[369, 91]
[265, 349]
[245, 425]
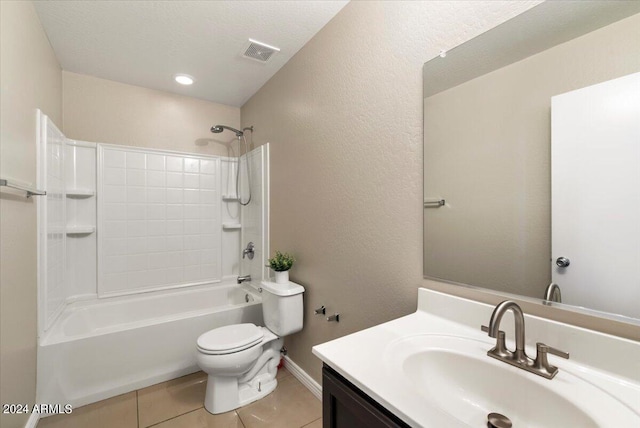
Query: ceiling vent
[259, 51]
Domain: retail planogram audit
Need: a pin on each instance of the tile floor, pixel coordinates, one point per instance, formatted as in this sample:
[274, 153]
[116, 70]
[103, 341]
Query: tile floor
[178, 404]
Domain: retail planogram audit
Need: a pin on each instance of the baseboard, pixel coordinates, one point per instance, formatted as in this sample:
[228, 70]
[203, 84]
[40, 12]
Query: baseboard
[33, 420]
[303, 377]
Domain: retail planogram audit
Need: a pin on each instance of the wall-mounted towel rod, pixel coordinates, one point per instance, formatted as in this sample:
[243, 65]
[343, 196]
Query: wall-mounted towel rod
[30, 191]
[437, 203]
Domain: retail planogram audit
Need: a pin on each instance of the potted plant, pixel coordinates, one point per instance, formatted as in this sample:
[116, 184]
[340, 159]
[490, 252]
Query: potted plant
[281, 263]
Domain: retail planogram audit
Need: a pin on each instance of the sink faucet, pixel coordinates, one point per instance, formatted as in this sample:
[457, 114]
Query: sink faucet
[494, 323]
[552, 293]
[519, 358]
[244, 278]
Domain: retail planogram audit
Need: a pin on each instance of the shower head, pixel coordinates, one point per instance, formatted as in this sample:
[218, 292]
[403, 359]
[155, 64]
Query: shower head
[219, 128]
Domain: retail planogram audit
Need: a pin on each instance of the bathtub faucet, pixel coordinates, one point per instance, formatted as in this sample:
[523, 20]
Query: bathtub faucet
[244, 278]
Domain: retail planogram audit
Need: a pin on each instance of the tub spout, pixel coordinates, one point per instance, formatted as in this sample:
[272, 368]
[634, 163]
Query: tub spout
[244, 278]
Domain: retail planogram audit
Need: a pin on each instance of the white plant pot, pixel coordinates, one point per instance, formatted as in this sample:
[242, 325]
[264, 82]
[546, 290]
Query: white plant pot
[282, 277]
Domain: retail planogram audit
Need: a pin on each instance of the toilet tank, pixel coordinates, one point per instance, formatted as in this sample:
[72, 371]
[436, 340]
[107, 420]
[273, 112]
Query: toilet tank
[282, 307]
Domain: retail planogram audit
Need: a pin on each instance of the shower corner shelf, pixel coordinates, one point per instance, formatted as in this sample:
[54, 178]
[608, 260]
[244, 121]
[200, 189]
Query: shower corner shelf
[231, 226]
[80, 193]
[80, 230]
[229, 198]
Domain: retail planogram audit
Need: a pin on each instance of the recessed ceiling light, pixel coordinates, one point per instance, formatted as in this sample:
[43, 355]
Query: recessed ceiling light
[183, 79]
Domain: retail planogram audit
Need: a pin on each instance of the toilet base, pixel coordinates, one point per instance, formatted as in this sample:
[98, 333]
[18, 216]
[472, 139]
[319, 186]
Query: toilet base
[250, 393]
[226, 393]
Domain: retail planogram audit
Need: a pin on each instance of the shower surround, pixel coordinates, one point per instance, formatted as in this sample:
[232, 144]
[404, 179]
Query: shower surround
[139, 250]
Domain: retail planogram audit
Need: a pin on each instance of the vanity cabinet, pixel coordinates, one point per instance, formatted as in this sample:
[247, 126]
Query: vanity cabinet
[346, 406]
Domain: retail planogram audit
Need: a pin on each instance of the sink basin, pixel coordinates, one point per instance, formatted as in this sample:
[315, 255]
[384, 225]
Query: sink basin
[454, 374]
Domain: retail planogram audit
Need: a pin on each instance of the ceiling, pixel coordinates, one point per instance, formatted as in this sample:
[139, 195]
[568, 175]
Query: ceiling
[146, 43]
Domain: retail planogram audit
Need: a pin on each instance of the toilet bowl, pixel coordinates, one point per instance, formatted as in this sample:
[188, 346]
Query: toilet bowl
[227, 388]
[241, 360]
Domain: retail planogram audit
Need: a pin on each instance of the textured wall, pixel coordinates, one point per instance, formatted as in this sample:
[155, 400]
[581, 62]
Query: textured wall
[104, 111]
[31, 78]
[497, 179]
[344, 119]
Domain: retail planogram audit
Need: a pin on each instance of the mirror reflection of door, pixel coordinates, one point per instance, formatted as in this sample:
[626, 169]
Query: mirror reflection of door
[595, 155]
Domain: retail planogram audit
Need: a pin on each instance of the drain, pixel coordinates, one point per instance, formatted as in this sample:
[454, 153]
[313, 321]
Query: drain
[496, 420]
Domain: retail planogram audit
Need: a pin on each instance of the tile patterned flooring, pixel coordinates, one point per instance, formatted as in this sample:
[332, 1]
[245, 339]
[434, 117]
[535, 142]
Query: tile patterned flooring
[178, 403]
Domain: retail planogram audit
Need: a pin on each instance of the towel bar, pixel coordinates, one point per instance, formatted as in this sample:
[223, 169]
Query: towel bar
[434, 203]
[30, 191]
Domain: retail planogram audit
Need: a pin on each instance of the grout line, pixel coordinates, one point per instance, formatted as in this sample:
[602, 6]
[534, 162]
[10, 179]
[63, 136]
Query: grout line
[315, 420]
[239, 417]
[174, 417]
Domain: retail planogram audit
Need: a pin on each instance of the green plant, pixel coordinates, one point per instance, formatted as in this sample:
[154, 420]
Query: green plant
[281, 261]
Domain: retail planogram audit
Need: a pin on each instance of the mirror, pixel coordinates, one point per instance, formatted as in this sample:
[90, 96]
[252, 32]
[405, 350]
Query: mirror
[488, 162]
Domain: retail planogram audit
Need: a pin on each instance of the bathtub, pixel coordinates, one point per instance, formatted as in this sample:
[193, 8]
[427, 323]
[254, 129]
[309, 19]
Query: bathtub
[101, 348]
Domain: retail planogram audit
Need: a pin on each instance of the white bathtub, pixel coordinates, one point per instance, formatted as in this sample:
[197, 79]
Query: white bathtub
[103, 348]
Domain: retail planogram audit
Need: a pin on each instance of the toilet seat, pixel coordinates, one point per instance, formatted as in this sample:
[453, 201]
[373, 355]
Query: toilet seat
[230, 339]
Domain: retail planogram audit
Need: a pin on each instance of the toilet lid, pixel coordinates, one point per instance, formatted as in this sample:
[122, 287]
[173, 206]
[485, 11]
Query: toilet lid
[230, 338]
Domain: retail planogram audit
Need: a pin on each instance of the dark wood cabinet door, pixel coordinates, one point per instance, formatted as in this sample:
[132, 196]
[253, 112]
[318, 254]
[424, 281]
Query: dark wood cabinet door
[346, 406]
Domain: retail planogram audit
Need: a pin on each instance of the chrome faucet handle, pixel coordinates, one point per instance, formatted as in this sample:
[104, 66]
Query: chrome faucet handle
[249, 251]
[542, 363]
[486, 330]
[556, 352]
[501, 347]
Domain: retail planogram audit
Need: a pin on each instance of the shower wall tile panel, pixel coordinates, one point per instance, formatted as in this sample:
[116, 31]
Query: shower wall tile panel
[159, 220]
[54, 289]
[81, 257]
[255, 215]
[230, 213]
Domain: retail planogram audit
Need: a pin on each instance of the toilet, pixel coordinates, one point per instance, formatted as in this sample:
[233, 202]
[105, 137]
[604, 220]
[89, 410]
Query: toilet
[241, 360]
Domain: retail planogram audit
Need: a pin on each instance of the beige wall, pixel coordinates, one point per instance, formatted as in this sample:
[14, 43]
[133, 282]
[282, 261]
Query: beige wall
[487, 148]
[344, 119]
[104, 111]
[31, 78]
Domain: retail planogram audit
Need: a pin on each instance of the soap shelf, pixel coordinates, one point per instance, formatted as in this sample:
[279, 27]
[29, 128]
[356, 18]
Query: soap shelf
[80, 193]
[229, 198]
[231, 226]
[80, 230]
